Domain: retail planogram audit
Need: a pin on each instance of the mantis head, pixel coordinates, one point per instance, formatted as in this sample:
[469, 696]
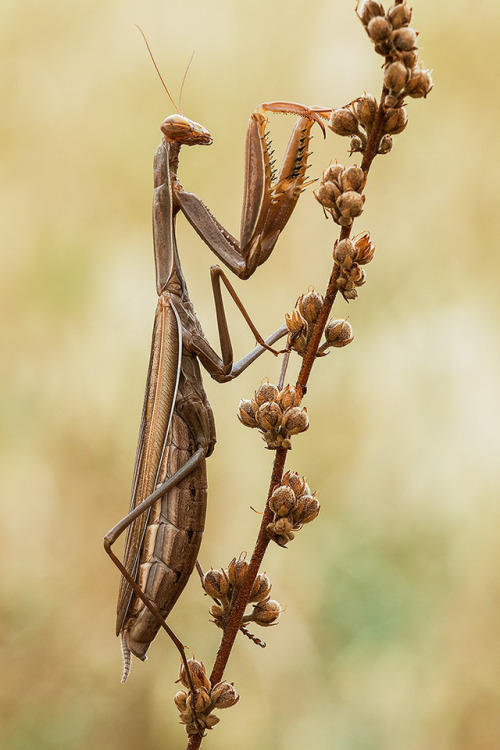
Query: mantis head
[178, 129]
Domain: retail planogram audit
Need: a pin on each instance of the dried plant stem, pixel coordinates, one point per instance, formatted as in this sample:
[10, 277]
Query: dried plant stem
[234, 621]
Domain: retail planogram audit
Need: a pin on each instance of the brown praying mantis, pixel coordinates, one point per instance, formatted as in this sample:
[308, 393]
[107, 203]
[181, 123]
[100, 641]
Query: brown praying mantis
[177, 432]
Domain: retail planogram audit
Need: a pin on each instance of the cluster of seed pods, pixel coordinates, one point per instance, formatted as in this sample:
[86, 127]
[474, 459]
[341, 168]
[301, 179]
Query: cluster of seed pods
[301, 322]
[196, 707]
[293, 505]
[224, 585]
[276, 413]
[395, 40]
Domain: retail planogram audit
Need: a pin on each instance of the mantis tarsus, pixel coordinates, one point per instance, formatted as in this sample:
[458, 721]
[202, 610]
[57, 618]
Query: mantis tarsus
[177, 432]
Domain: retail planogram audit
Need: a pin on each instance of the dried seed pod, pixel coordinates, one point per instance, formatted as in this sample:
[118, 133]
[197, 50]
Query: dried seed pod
[295, 322]
[236, 571]
[385, 145]
[379, 29]
[283, 526]
[310, 305]
[357, 274]
[365, 249]
[266, 392]
[343, 122]
[357, 144]
[399, 15]
[395, 120]
[217, 612]
[199, 702]
[266, 613]
[395, 77]
[260, 588]
[420, 83]
[405, 39]
[338, 333]
[350, 204]
[353, 178]
[410, 59]
[224, 695]
[366, 109]
[370, 9]
[325, 194]
[246, 413]
[308, 511]
[209, 721]
[289, 396]
[198, 675]
[344, 250]
[180, 700]
[269, 416]
[216, 583]
[282, 501]
[298, 484]
[332, 173]
[295, 420]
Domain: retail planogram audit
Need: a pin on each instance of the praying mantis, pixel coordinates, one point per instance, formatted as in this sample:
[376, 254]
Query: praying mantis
[177, 433]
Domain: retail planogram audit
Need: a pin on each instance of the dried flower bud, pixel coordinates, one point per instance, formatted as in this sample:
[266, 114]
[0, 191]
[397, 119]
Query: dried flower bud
[209, 721]
[310, 305]
[357, 274]
[295, 322]
[224, 695]
[198, 675]
[295, 420]
[216, 583]
[369, 10]
[283, 526]
[266, 392]
[282, 501]
[325, 194]
[385, 145]
[379, 29]
[180, 700]
[269, 416]
[405, 39]
[420, 83]
[353, 178]
[236, 571]
[399, 15]
[343, 250]
[396, 75]
[266, 613]
[366, 109]
[365, 249]
[338, 333]
[343, 122]
[350, 204]
[332, 173]
[217, 612]
[395, 120]
[246, 413]
[260, 588]
[298, 484]
[199, 702]
[409, 59]
[289, 396]
[308, 511]
[357, 144]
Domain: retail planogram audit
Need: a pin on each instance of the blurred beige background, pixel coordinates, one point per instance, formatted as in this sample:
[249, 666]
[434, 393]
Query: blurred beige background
[390, 639]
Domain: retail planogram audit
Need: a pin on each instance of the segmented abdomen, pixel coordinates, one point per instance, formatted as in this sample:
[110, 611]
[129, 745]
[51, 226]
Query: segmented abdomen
[172, 539]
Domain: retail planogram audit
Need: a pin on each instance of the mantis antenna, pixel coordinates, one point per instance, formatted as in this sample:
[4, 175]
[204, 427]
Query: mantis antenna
[157, 70]
[184, 78]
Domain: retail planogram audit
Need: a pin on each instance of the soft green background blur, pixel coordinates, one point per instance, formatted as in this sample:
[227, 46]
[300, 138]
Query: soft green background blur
[390, 640]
